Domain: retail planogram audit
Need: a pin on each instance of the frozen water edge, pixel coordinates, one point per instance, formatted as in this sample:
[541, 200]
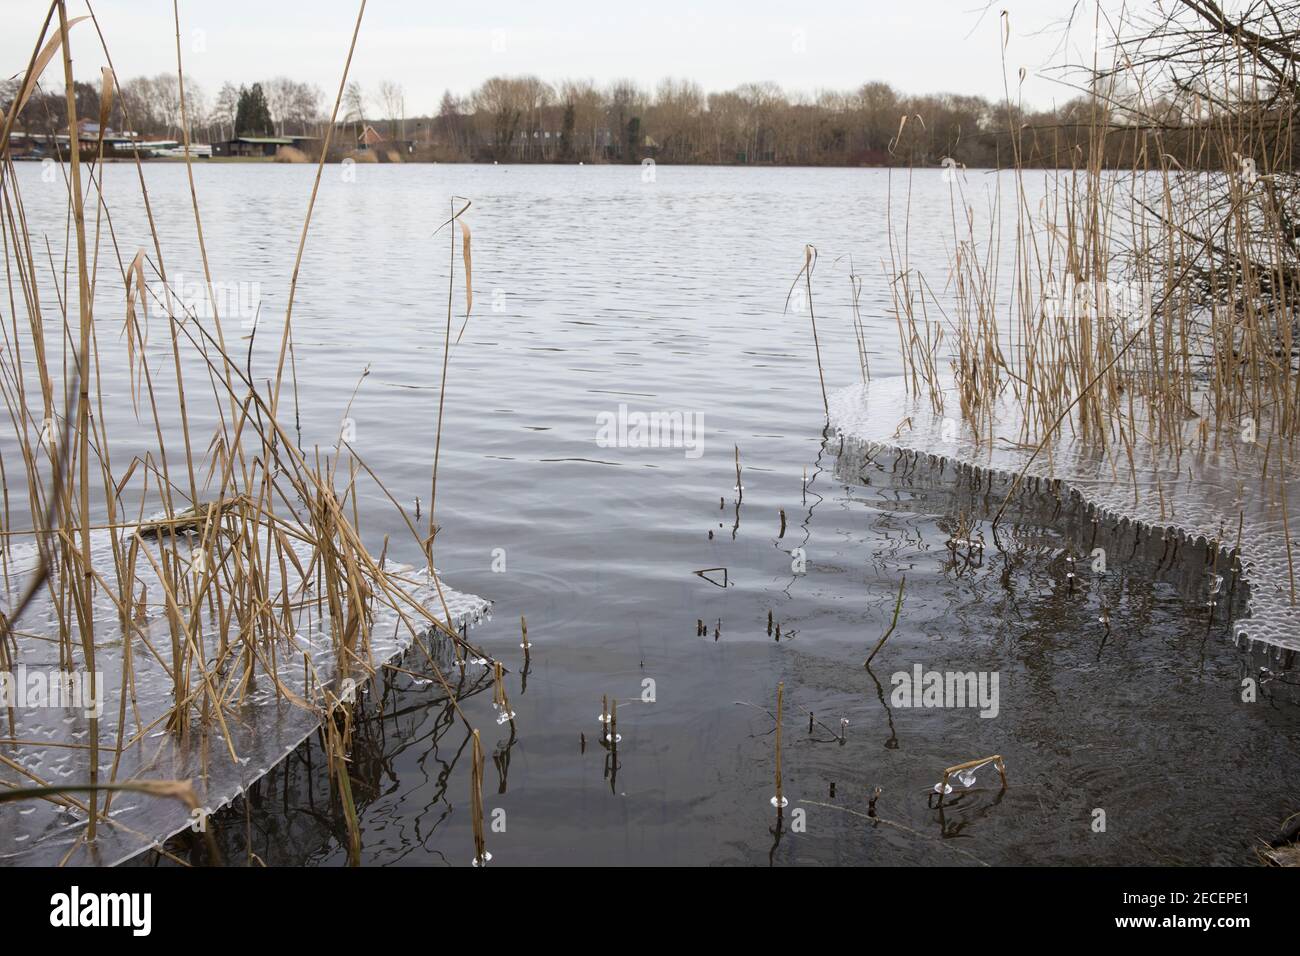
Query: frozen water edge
[1205, 498]
[264, 729]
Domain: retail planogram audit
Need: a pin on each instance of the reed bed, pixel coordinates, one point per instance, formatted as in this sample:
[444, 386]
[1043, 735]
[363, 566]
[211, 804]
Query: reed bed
[209, 555]
[1125, 298]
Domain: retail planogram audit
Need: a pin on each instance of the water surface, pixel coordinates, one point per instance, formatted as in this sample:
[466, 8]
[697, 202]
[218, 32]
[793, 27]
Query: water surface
[595, 289]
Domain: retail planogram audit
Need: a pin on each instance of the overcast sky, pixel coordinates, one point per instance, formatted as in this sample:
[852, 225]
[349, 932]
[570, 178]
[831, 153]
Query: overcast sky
[917, 46]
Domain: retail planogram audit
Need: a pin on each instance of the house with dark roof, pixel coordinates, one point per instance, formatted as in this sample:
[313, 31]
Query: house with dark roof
[261, 146]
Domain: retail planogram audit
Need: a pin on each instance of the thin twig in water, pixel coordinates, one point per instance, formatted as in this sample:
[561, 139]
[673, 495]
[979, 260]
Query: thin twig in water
[892, 624]
[947, 845]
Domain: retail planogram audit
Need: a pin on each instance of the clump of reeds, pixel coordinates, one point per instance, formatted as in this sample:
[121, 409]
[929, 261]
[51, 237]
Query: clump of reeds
[237, 565]
[1151, 301]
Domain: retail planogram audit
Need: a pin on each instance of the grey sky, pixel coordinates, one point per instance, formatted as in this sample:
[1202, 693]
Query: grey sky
[918, 47]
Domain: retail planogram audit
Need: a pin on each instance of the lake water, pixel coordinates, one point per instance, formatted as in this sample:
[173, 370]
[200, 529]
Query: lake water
[596, 290]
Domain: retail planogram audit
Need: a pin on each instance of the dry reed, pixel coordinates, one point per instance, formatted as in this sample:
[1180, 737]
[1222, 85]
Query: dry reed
[1150, 303]
[216, 591]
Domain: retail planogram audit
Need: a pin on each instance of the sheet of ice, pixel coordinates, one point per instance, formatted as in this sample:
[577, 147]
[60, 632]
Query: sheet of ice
[1209, 496]
[50, 743]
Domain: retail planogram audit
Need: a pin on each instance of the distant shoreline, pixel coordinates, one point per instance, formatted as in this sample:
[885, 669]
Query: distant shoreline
[274, 161]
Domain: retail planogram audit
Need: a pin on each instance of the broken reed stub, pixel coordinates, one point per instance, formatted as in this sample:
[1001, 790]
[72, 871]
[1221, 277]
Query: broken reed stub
[965, 773]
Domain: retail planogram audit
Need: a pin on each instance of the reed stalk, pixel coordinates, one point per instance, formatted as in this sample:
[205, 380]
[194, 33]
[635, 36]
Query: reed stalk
[779, 799]
[215, 593]
[476, 801]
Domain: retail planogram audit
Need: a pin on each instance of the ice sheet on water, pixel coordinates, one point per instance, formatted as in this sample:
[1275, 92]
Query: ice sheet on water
[264, 729]
[1202, 497]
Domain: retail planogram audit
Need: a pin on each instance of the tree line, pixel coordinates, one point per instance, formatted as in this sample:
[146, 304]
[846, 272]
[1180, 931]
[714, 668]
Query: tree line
[151, 107]
[526, 119]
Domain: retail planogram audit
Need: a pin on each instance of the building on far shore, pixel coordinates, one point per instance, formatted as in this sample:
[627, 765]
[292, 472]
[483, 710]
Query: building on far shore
[91, 142]
[262, 146]
[370, 138]
[173, 149]
[89, 135]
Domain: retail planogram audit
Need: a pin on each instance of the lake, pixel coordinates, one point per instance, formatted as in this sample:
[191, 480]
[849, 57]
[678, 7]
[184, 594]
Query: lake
[599, 296]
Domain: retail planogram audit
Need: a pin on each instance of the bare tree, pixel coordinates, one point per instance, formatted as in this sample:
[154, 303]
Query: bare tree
[675, 119]
[625, 108]
[584, 105]
[496, 108]
[354, 105]
[280, 92]
[393, 100]
[305, 108]
[223, 111]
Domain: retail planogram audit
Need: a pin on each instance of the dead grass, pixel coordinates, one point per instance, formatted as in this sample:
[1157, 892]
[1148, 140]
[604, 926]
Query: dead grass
[255, 539]
[1139, 304]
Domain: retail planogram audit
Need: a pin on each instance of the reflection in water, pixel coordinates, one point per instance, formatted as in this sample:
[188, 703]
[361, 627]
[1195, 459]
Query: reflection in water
[293, 815]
